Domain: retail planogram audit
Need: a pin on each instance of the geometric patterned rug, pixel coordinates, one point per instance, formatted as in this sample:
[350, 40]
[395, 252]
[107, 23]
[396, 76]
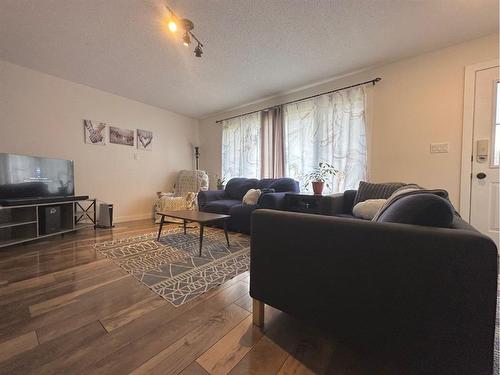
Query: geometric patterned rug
[172, 267]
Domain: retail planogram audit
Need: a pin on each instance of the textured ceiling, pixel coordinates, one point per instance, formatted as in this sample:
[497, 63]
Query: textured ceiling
[254, 48]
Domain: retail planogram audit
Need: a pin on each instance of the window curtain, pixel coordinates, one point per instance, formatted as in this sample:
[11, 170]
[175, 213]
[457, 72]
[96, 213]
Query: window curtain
[330, 128]
[241, 147]
[272, 146]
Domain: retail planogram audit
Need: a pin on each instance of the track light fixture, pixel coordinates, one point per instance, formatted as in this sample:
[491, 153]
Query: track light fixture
[198, 51]
[174, 23]
[186, 39]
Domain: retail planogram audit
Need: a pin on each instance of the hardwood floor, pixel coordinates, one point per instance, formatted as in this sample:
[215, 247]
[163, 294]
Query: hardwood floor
[65, 309]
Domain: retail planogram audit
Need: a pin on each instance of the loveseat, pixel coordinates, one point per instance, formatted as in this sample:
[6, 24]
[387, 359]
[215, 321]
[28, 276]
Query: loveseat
[426, 293]
[229, 200]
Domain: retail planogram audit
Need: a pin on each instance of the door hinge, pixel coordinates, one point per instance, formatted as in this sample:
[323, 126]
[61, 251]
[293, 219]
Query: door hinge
[472, 158]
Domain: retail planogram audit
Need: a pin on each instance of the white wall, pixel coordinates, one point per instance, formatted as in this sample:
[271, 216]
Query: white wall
[43, 115]
[418, 101]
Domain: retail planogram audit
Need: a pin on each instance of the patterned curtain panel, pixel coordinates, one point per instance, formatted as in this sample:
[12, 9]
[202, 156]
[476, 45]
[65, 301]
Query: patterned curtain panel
[330, 128]
[241, 146]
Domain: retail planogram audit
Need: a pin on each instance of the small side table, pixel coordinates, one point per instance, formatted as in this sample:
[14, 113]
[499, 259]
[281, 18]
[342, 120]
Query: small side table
[308, 203]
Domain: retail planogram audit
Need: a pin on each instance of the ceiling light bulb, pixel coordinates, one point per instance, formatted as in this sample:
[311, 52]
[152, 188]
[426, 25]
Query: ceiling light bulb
[172, 26]
[186, 39]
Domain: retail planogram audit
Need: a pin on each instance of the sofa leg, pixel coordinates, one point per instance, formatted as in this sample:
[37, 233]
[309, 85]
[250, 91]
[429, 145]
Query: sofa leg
[258, 313]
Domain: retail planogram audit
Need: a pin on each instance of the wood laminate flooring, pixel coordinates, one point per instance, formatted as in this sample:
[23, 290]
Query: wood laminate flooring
[65, 309]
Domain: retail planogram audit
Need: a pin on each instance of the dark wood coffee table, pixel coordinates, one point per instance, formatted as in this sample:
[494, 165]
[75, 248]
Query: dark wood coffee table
[202, 218]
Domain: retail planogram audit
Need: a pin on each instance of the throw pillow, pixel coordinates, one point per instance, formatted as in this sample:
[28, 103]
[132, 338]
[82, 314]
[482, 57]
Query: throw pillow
[251, 197]
[367, 209]
[419, 209]
[267, 191]
[406, 190]
[367, 190]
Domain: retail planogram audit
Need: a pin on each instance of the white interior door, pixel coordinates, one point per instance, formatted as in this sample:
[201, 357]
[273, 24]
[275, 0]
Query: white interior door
[485, 186]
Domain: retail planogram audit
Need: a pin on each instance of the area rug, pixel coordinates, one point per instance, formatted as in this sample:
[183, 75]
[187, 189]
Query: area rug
[172, 267]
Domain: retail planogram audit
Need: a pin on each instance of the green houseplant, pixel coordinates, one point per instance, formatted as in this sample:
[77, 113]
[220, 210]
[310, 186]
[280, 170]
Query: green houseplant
[220, 183]
[319, 176]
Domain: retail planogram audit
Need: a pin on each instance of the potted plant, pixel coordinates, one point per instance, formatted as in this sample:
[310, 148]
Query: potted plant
[319, 176]
[220, 183]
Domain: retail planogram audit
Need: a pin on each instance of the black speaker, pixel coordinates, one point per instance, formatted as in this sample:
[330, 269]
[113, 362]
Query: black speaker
[50, 219]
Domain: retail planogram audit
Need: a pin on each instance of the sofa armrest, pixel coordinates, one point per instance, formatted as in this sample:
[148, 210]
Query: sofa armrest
[273, 201]
[342, 203]
[433, 287]
[337, 204]
[208, 196]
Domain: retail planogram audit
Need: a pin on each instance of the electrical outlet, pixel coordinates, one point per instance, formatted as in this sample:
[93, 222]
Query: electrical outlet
[440, 148]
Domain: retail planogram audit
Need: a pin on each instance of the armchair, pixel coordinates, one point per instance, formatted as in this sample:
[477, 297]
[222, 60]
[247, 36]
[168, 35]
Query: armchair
[184, 197]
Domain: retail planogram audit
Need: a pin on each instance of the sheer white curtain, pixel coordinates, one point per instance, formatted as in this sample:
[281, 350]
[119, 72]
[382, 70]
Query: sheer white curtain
[241, 146]
[330, 128]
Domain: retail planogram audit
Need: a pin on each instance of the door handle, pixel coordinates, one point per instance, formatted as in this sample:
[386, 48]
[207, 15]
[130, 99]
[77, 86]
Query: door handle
[481, 175]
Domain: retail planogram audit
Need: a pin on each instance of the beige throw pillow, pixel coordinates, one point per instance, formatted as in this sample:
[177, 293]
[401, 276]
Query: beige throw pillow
[251, 197]
[368, 209]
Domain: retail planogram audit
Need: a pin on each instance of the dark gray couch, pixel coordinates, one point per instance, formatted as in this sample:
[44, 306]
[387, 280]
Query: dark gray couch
[229, 200]
[428, 292]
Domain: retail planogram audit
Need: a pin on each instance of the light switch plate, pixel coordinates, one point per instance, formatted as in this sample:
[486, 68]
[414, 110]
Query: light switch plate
[440, 148]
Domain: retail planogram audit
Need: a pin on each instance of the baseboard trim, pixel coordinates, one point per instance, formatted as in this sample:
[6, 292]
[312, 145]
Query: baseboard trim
[122, 219]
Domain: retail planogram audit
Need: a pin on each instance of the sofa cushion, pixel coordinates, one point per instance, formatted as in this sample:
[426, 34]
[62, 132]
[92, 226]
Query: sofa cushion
[273, 201]
[368, 190]
[420, 209]
[236, 188]
[279, 185]
[267, 191]
[368, 209]
[251, 197]
[220, 207]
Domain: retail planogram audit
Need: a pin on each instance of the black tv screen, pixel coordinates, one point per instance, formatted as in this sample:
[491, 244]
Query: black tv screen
[23, 176]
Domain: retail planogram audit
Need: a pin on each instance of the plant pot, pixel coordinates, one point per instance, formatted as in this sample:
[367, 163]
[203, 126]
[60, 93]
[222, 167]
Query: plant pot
[318, 187]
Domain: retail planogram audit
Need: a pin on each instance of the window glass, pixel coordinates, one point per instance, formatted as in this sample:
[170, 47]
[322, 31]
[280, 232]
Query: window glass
[241, 147]
[330, 128]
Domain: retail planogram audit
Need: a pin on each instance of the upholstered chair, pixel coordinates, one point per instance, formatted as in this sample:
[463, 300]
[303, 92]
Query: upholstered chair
[184, 197]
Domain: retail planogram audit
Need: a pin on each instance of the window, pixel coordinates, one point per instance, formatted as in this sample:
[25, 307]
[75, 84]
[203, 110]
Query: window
[496, 129]
[241, 147]
[329, 128]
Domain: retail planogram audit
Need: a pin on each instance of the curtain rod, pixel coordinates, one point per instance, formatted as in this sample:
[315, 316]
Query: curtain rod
[372, 81]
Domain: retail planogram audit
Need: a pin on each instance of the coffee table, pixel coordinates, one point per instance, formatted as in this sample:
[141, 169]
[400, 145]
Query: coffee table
[202, 218]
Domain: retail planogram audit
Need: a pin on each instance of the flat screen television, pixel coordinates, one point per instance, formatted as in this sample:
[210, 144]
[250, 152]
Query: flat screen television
[23, 176]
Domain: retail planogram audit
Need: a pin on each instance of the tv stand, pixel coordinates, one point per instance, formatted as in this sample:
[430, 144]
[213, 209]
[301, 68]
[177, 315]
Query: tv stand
[23, 222]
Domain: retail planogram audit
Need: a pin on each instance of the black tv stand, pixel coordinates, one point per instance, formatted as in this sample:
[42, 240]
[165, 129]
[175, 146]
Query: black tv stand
[39, 200]
[21, 222]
